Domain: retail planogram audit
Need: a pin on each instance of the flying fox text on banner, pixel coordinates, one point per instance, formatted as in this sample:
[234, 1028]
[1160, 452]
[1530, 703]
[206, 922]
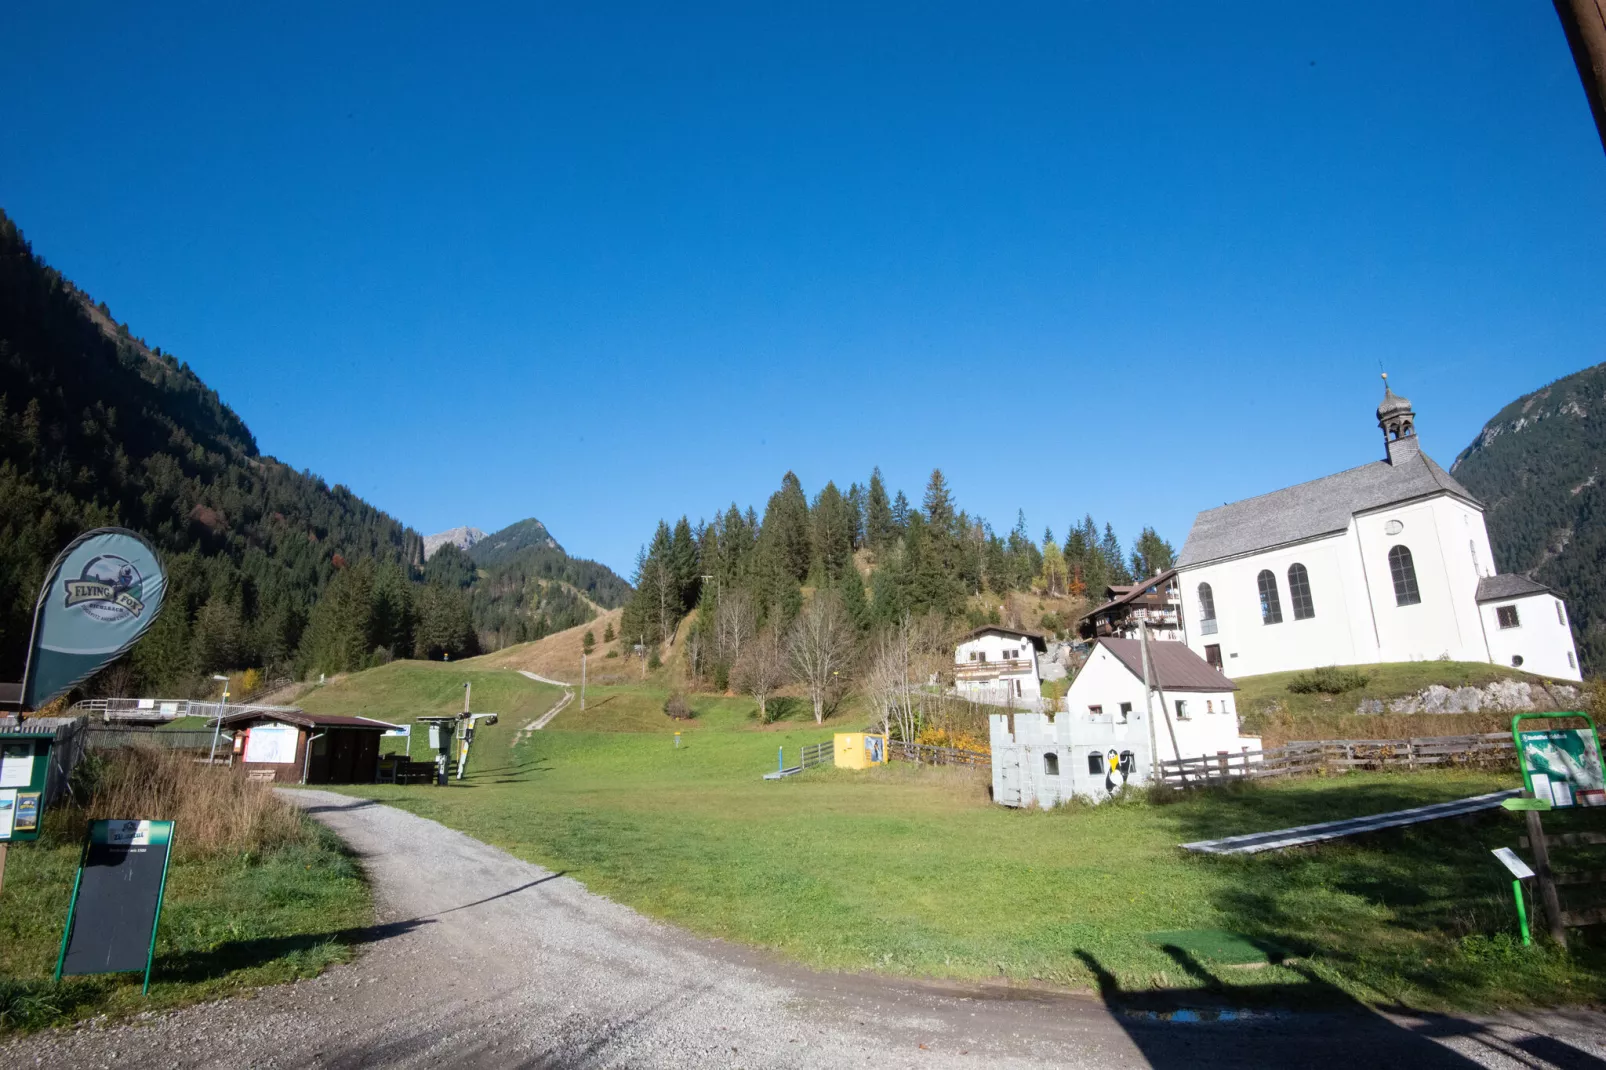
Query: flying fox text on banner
[100, 595]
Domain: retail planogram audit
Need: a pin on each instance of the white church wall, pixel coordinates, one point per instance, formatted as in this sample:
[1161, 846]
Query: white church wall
[1541, 637]
[1444, 623]
[1339, 632]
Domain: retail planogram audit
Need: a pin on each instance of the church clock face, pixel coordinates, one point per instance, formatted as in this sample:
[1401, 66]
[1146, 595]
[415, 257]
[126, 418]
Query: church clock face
[1393, 527]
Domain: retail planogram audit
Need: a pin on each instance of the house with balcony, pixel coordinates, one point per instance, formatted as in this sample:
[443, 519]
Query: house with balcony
[1155, 601]
[997, 666]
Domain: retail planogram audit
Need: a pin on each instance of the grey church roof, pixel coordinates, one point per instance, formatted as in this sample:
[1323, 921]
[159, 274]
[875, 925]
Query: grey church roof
[1512, 586]
[1321, 507]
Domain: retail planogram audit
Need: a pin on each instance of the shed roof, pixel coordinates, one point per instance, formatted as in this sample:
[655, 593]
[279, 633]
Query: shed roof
[1491, 588]
[1321, 507]
[1037, 639]
[304, 719]
[1178, 667]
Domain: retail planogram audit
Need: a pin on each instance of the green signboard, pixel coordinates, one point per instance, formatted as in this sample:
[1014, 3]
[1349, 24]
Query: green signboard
[24, 764]
[1561, 765]
[117, 899]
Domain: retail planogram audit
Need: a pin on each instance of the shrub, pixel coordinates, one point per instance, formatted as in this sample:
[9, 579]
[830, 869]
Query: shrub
[216, 810]
[611, 654]
[677, 707]
[607, 633]
[653, 660]
[1328, 680]
[588, 642]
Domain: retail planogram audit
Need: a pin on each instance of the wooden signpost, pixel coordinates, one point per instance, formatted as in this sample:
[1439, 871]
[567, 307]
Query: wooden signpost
[1561, 769]
[117, 899]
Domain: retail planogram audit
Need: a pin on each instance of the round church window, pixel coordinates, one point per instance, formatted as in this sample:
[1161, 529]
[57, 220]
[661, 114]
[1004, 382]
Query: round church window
[1393, 527]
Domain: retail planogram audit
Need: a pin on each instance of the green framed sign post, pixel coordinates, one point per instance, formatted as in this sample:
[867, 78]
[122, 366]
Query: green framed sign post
[1560, 767]
[117, 899]
[24, 766]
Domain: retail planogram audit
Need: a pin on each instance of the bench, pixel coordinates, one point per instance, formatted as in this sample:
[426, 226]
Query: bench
[396, 769]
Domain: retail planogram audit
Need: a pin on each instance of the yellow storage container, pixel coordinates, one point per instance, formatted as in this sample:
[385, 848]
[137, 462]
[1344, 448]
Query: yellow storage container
[860, 750]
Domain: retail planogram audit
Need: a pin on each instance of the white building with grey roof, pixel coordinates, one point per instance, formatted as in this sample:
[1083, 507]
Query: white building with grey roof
[1382, 563]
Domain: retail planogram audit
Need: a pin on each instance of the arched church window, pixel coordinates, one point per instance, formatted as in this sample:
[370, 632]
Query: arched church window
[1271, 606]
[1299, 592]
[1403, 570]
[1207, 609]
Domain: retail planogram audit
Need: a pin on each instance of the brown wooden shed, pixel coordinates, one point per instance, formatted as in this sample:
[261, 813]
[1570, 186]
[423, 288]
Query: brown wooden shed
[296, 747]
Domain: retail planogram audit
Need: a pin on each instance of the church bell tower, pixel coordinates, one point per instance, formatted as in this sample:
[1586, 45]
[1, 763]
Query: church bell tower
[1398, 423]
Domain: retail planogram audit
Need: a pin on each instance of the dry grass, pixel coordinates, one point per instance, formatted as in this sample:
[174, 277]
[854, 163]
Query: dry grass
[216, 811]
[558, 655]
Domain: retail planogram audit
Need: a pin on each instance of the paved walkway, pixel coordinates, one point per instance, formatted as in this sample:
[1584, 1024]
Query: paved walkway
[480, 960]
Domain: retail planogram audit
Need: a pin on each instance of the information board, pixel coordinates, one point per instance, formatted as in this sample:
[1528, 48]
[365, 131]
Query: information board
[24, 764]
[272, 743]
[1562, 765]
[117, 900]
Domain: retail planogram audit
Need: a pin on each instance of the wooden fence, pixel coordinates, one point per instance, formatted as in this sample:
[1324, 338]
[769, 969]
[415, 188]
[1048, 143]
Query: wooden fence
[1338, 755]
[927, 754]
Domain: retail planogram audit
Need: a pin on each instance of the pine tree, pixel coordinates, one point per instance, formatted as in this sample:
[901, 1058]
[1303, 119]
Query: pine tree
[833, 532]
[900, 514]
[854, 603]
[879, 525]
[1110, 550]
[683, 568]
[1151, 554]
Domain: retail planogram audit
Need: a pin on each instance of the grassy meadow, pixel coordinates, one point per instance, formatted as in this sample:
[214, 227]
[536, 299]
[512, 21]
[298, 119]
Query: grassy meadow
[912, 871]
[257, 893]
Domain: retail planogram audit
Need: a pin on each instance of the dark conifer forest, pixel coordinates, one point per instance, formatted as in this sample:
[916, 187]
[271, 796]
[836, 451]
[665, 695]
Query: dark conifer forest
[1537, 469]
[269, 567]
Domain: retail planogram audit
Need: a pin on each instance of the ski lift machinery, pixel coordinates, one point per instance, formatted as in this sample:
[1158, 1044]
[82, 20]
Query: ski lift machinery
[445, 728]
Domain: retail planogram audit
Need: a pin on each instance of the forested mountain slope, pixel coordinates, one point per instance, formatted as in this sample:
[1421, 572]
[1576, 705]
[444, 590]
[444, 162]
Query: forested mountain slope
[98, 428]
[529, 587]
[1537, 469]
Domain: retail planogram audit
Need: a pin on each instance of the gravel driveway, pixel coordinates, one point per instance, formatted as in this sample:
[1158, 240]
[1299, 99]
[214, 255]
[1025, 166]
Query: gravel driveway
[480, 960]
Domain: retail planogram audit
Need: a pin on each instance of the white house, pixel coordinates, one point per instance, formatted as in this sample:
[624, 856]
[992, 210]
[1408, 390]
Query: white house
[1386, 562]
[997, 666]
[1103, 738]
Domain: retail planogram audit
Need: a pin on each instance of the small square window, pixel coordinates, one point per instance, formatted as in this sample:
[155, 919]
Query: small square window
[1095, 711]
[1095, 763]
[1126, 711]
[1182, 709]
[1507, 616]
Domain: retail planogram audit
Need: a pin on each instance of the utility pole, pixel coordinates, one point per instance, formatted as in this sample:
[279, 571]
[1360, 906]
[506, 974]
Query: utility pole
[1584, 22]
[1148, 705]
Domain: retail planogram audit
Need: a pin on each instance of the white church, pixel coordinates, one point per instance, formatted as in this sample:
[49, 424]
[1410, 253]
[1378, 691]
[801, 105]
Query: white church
[1386, 562]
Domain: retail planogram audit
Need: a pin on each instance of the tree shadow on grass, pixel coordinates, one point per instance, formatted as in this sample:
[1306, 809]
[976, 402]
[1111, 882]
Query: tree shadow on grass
[1308, 1023]
[1419, 909]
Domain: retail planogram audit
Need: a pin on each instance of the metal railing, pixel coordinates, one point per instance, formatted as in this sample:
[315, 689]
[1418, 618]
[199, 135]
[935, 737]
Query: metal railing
[818, 754]
[159, 710]
[100, 738]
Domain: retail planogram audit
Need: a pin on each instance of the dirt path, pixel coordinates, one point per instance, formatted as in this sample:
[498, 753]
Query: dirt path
[480, 960]
[557, 707]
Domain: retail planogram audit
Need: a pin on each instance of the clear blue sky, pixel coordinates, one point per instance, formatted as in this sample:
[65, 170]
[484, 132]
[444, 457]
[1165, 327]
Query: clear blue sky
[600, 268]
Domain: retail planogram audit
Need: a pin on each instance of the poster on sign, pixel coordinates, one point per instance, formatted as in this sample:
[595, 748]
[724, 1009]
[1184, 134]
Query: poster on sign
[271, 743]
[1562, 765]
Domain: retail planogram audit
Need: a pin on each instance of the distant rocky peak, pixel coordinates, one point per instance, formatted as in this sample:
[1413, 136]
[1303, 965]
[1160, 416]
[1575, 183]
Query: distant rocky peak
[462, 538]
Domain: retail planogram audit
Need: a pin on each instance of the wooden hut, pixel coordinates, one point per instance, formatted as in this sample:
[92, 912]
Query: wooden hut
[291, 746]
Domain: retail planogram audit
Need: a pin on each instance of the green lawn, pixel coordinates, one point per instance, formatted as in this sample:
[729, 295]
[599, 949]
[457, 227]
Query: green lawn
[403, 691]
[228, 924]
[913, 871]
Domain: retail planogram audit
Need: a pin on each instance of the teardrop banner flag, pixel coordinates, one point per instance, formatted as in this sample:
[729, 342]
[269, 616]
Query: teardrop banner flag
[100, 595]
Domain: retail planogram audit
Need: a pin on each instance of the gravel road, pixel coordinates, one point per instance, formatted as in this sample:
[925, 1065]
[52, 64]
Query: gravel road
[480, 960]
